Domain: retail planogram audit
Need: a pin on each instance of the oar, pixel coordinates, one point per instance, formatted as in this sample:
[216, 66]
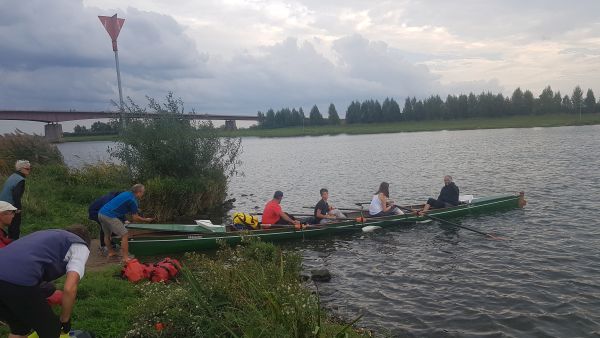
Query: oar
[458, 225]
[344, 209]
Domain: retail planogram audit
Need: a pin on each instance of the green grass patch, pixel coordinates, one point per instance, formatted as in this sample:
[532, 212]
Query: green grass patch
[103, 303]
[57, 196]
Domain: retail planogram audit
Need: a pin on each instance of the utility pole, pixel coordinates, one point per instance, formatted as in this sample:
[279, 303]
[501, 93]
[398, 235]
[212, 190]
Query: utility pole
[113, 26]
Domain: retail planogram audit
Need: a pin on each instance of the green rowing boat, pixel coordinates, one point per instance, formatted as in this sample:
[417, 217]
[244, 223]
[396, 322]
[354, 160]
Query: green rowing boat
[158, 239]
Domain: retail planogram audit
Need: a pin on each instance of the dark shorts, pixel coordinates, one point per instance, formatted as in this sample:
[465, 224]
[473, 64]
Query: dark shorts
[437, 204]
[284, 222]
[24, 308]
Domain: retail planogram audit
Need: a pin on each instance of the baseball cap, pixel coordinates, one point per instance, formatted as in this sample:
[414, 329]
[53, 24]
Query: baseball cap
[5, 206]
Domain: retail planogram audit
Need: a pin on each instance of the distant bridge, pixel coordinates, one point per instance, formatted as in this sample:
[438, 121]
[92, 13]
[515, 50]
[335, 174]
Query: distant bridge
[53, 130]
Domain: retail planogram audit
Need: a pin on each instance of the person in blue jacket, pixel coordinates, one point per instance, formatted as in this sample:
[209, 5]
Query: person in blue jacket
[27, 265]
[109, 216]
[93, 210]
[12, 192]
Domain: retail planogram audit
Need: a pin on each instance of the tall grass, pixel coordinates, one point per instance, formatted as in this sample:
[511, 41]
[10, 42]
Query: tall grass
[21, 146]
[251, 291]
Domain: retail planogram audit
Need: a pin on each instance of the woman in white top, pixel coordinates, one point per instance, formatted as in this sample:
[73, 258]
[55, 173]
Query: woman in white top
[381, 205]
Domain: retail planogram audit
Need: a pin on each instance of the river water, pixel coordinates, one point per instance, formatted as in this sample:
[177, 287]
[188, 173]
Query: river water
[428, 280]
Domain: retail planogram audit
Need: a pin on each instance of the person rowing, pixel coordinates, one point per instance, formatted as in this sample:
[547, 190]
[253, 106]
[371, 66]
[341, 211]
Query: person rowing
[324, 212]
[448, 197]
[381, 205]
[273, 214]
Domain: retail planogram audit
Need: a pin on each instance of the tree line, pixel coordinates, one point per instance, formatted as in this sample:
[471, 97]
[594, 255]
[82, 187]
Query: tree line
[295, 117]
[97, 128]
[434, 107]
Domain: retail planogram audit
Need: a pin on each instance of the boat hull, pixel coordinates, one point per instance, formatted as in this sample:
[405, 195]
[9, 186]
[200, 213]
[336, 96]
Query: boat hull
[144, 245]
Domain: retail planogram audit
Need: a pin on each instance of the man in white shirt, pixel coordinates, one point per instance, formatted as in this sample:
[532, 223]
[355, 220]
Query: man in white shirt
[31, 261]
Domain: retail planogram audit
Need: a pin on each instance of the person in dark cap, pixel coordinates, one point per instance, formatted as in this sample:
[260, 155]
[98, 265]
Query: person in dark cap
[273, 214]
[27, 265]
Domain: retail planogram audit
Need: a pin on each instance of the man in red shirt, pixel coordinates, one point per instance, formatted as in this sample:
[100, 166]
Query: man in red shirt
[273, 213]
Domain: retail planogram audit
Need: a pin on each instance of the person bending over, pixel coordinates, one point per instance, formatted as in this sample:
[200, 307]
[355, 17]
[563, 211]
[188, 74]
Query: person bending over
[27, 265]
[109, 216]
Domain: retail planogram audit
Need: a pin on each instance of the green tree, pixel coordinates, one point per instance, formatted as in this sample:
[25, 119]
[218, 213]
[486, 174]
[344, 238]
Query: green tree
[577, 99]
[334, 118]
[184, 166]
[590, 102]
[517, 102]
[316, 119]
[408, 111]
[566, 105]
[546, 102]
[80, 129]
[528, 102]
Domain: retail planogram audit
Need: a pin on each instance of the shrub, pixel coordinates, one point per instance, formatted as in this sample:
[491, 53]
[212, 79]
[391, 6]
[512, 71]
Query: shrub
[185, 167]
[183, 199]
[168, 144]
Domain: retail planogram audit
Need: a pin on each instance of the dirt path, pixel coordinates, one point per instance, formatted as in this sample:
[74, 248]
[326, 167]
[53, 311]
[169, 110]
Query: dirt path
[98, 262]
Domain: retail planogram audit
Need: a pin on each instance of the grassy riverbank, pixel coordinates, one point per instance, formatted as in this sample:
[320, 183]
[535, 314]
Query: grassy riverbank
[265, 296]
[528, 121]
[435, 125]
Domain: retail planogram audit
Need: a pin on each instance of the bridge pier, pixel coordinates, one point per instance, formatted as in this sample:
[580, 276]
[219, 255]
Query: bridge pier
[230, 125]
[53, 132]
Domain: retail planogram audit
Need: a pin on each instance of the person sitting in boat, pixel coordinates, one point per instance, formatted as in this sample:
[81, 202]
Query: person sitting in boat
[273, 214]
[7, 213]
[448, 197]
[381, 205]
[324, 212]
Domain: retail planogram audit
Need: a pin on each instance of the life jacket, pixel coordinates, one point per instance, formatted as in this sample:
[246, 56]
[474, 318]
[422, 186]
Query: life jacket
[242, 221]
[163, 271]
[133, 270]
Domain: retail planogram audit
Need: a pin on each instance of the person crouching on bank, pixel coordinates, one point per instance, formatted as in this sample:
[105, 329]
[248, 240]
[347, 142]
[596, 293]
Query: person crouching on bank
[26, 264]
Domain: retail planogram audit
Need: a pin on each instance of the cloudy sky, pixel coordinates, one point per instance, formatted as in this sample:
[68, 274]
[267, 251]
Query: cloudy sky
[240, 56]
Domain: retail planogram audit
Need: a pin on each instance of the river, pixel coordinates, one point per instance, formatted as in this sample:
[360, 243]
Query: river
[428, 280]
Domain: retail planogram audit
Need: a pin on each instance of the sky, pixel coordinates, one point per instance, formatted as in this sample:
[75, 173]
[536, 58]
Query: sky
[242, 56]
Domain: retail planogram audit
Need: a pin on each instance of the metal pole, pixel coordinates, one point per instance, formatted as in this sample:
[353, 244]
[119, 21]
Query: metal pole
[119, 79]
[121, 110]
